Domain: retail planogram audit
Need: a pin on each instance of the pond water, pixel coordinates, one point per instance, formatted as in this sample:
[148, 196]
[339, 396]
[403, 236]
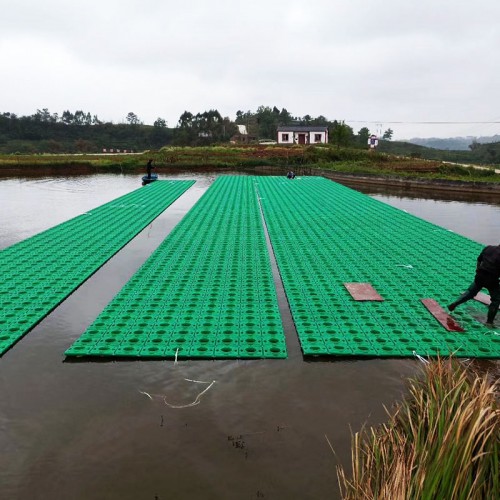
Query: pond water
[87, 430]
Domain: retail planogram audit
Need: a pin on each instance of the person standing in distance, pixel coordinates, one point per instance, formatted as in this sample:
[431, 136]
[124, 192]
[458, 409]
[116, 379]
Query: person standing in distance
[149, 167]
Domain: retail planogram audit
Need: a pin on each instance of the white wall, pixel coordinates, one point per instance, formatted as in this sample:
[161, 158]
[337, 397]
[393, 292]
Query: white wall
[290, 138]
[293, 137]
[323, 140]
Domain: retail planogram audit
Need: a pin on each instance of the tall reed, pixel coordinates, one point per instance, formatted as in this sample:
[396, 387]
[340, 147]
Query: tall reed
[441, 442]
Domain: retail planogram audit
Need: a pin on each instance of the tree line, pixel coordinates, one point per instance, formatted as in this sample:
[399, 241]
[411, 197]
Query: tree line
[83, 132]
[77, 132]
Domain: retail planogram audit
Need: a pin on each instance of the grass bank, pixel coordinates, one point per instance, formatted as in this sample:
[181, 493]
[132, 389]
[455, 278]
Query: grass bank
[305, 159]
[442, 441]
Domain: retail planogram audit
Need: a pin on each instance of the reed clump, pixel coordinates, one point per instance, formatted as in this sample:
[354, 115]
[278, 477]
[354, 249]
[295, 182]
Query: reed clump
[441, 442]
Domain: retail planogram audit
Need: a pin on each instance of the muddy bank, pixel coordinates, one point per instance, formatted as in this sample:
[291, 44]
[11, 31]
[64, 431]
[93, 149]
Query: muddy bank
[403, 183]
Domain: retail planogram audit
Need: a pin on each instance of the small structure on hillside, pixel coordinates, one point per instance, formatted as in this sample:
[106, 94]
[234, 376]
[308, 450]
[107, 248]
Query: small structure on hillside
[373, 141]
[293, 134]
[242, 136]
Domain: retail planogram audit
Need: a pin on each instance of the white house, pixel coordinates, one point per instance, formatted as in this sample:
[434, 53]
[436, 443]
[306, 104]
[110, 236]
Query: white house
[293, 134]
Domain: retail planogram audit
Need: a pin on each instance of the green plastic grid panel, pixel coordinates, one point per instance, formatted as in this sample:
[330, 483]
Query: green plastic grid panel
[324, 235]
[40, 272]
[206, 292]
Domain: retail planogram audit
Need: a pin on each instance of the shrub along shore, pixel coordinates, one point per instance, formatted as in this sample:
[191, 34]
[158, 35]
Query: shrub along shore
[442, 441]
[329, 161]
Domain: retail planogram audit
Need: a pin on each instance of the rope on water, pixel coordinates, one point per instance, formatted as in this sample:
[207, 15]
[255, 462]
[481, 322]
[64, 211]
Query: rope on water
[193, 403]
[197, 399]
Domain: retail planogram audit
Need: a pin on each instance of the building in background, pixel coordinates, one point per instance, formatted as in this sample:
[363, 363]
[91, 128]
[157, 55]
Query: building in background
[294, 134]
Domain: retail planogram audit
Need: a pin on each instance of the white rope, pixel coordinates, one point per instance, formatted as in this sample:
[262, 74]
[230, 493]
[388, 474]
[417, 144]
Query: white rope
[146, 394]
[195, 402]
[420, 358]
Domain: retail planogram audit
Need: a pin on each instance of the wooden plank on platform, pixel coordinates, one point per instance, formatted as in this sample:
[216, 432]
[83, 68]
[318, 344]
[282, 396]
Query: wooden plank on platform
[363, 292]
[483, 298]
[442, 316]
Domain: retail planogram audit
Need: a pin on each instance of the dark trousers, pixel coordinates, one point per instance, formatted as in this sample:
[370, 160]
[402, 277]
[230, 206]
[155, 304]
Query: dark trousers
[492, 285]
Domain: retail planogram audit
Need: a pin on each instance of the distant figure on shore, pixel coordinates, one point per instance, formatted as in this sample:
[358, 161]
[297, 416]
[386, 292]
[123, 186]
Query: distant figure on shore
[149, 167]
[487, 276]
[290, 175]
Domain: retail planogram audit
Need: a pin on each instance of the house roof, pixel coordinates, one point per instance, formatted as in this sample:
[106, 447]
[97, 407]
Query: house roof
[242, 129]
[302, 128]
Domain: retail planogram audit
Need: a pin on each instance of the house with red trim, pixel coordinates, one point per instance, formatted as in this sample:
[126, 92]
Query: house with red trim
[294, 134]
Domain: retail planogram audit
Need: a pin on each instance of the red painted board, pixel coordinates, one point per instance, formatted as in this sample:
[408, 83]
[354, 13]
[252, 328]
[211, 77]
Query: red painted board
[442, 316]
[483, 298]
[363, 291]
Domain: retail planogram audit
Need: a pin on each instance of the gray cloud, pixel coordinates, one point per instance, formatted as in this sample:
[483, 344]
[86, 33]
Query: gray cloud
[356, 60]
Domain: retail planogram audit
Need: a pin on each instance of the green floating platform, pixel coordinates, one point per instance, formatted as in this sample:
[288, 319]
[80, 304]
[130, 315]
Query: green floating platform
[40, 272]
[206, 292]
[324, 235]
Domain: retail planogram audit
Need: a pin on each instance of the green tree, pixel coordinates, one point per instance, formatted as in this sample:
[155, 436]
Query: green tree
[474, 145]
[363, 135]
[320, 121]
[67, 117]
[160, 122]
[306, 120]
[84, 146]
[185, 133]
[229, 128]
[80, 118]
[267, 122]
[133, 119]
[341, 134]
[388, 134]
[54, 146]
[285, 117]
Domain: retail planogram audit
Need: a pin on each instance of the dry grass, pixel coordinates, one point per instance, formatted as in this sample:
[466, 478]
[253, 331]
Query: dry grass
[441, 442]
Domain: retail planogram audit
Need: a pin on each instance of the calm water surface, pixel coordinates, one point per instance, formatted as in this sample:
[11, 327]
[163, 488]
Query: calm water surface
[84, 430]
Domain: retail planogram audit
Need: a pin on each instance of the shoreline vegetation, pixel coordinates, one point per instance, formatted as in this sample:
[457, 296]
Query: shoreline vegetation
[442, 441]
[355, 165]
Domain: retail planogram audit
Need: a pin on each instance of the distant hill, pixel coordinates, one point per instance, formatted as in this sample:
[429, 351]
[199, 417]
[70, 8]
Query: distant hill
[480, 154]
[453, 143]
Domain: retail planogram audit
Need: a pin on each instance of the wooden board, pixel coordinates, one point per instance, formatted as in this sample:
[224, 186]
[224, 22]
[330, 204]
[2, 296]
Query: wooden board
[363, 291]
[483, 298]
[442, 316]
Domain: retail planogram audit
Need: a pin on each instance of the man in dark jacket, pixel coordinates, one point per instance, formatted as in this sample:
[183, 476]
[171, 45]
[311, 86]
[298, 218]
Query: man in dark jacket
[149, 167]
[487, 276]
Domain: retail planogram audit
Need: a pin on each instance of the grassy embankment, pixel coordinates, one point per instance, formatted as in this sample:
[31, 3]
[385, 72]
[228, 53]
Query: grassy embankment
[302, 159]
[442, 441]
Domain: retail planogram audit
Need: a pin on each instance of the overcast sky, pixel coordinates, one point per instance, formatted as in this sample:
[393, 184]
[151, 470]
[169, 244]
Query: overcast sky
[369, 63]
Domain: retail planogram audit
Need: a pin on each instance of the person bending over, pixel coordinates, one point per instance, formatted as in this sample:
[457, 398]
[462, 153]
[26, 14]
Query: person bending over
[487, 276]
